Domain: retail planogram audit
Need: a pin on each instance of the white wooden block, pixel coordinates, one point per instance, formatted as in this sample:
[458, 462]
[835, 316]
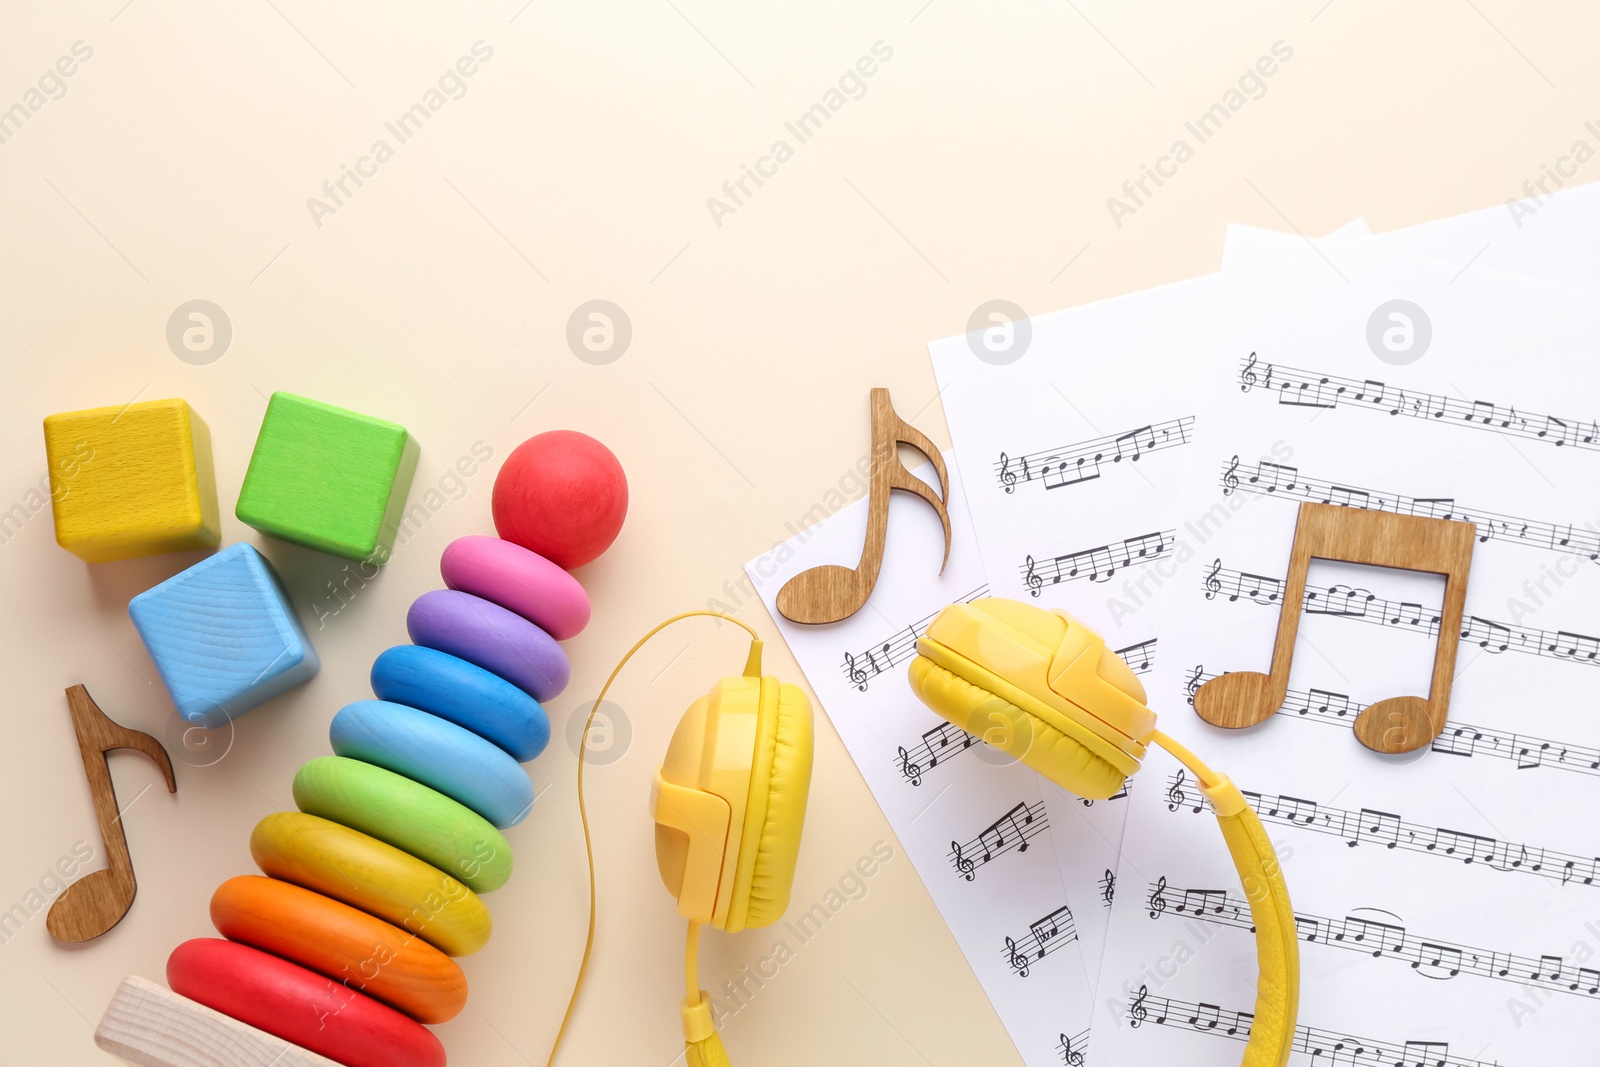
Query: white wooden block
[151, 1026]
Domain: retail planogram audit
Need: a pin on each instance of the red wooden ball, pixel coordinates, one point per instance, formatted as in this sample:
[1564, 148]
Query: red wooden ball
[563, 495]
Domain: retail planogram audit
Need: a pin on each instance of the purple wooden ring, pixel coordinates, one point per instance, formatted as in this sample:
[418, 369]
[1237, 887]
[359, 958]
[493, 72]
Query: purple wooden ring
[488, 635]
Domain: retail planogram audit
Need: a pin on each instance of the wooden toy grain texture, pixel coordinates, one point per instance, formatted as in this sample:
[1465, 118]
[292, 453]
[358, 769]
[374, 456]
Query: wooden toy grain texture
[437, 753]
[98, 901]
[344, 943]
[379, 879]
[150, 1026]
[408, 815]
[131, 480]
[223, 636]
[328, 478]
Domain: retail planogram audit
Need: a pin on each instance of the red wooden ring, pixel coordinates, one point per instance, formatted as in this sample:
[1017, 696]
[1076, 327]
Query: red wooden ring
[299, 1006]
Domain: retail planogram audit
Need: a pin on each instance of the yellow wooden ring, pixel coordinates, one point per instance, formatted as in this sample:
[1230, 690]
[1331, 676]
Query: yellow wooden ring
[377, 878]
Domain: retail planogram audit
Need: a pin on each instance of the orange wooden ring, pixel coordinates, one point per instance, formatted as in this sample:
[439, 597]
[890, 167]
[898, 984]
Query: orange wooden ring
[349, 946]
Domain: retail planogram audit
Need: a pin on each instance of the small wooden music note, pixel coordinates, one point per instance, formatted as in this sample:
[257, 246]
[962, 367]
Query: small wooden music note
[98, 901]
[828, 593]
[1380, 539]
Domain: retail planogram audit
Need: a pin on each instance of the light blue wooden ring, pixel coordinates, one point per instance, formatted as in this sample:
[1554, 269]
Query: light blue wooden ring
[437, 753]
[464, 693]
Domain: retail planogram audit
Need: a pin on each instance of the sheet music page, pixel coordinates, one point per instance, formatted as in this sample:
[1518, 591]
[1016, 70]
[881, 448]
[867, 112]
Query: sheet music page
[972, 820]
[1448, 901]
[1072, 454]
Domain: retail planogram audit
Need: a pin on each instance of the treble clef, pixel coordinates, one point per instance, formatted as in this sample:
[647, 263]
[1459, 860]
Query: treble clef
[1033, 580]
[1213, 583]
[1247, 377]
[1137, 1013]
[1070, 1056]
[858, 677]
[1230, 479]
[964, 866]
[1177, 794]
[1108, 887]
[1018, 960]
[1158, 898]
[912, 772]
[1008, 477]
[1193, 684]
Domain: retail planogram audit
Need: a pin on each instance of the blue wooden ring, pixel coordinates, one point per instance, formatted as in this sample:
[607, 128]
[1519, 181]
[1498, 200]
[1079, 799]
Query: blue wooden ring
[437, 753]
[464, 693]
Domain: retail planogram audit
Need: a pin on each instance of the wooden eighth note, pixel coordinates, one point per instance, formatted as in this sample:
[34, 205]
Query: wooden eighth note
[829, 592]
[1407, 542]
[98, 901]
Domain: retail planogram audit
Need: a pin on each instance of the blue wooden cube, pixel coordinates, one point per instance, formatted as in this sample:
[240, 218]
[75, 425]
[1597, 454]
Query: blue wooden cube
[223, 636]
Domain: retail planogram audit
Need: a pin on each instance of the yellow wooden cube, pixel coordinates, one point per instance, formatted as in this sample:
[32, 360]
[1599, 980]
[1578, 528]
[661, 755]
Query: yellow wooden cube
[131, 480]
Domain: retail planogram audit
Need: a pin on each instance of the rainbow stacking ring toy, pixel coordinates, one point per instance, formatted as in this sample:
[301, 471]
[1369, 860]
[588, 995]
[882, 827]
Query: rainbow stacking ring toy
[373, 888]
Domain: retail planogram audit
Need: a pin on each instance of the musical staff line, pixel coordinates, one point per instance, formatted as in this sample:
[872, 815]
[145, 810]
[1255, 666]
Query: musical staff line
[1043, 937]
[1309, 389]
[1458, 739]
[1389, 830]
[1436, 960]
[1353, 602]
[1097, 564]
[1057, 468]
[1074, 1050]
[1011, 832]
[939, 745]
[1323, 1046]
[1275, 479]
[860, 668]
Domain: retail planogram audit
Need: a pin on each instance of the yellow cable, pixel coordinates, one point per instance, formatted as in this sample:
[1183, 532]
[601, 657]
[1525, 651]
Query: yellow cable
[1208, 778]
[691, 963]
[583, 814]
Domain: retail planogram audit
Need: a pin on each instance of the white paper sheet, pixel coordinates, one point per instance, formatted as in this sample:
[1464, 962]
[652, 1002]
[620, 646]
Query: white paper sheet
[973, 822]
[1449, 902]
[1073, 457]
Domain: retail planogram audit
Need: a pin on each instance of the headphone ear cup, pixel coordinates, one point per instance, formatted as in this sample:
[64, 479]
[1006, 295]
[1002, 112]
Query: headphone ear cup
[780, 784]
[1055, 754]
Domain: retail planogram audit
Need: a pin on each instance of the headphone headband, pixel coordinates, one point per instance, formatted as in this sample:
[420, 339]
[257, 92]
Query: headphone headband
[1000, 658]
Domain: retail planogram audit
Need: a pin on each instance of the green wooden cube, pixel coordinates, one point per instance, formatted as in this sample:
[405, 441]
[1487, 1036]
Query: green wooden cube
[328, 478]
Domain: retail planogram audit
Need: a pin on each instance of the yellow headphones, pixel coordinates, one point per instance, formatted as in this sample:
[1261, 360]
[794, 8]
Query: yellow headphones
[1044, 688]
[729, 802]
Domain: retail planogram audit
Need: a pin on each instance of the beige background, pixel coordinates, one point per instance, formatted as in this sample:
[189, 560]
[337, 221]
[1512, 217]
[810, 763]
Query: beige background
[577, 166]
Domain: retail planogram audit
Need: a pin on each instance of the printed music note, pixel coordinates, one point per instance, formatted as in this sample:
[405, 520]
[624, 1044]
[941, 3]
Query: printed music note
[1158, 898]
[964, 864]
[857, 676]
[1008, 477]
[911, 770]
[1397, 724]
[1137, 1012]
[829, 592]
[98, 901]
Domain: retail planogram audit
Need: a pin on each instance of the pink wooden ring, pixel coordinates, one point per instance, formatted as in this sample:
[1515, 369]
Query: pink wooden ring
[518, 580]
[500, 641]
[300, 1006]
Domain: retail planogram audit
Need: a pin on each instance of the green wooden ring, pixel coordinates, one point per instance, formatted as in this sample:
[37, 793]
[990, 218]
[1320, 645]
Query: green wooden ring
[407, 815]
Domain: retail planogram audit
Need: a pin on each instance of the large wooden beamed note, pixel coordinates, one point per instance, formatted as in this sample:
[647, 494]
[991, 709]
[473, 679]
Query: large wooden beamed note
[1380, 539]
